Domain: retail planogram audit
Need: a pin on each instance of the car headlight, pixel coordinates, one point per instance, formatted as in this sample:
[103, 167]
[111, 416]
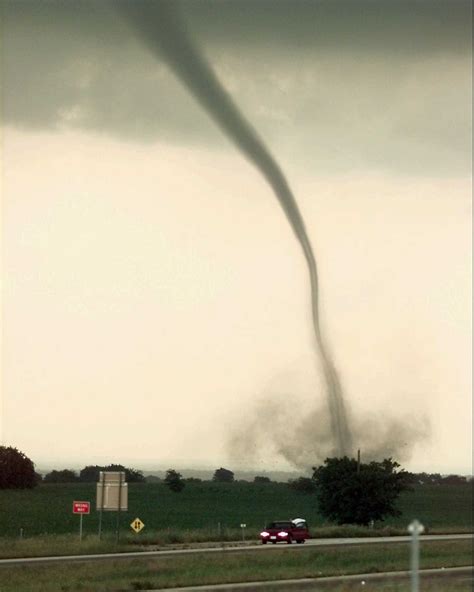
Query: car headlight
[283, 534]
[264, 533]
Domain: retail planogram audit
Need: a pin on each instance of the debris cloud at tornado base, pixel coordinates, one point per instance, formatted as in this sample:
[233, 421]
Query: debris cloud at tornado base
[274, 427]
[163, 32]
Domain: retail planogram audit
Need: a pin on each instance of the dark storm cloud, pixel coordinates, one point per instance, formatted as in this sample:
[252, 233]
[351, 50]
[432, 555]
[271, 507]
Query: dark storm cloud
[341, 84]
[401, 26]
[74, 64]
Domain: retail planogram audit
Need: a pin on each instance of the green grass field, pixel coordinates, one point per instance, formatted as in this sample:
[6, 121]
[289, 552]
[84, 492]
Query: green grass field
[201, 506]
[152, 573]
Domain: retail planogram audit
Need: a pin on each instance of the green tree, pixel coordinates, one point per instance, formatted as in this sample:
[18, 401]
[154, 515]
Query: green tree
[153, 479]
[223, 475]
[17, 471]
[174, 480]
[91, 473]
[303, 485]
[454, 480]
[261, 479]
[64, 476]
[131, 475]
[349, 493]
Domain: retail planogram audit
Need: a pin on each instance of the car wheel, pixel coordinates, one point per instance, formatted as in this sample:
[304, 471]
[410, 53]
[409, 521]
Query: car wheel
[299, 541]
[289, 541]
[264, 542]
[274, 542]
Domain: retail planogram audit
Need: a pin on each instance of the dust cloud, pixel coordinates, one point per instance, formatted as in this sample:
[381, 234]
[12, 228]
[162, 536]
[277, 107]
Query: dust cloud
[274, 427]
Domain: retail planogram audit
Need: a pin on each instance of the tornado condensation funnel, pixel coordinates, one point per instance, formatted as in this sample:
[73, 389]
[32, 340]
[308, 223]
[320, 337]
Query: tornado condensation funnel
[161, 28]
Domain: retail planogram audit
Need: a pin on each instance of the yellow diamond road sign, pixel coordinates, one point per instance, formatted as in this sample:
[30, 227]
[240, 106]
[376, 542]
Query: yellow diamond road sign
[137, 525]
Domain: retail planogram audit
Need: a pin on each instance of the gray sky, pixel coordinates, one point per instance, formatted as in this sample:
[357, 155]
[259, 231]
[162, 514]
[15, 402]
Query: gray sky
[154, 296]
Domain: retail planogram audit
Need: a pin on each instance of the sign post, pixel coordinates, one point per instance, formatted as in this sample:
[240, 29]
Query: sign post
[415, 528]
[119, 505]
[81, 508]
[112, 496]
[101, 505]
[243, 526]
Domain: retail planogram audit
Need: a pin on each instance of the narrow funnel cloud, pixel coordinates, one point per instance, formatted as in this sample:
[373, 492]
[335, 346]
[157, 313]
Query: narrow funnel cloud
[161, 29]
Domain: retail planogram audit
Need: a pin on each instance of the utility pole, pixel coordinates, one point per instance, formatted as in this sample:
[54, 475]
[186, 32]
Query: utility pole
[358, 460]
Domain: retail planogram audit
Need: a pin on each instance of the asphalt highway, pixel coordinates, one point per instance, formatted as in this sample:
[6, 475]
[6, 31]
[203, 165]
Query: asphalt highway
[230, 548]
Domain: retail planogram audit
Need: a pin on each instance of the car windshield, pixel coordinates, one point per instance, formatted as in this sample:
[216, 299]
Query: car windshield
[281, 525]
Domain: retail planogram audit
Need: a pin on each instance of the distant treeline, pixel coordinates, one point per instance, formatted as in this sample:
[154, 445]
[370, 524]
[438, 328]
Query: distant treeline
[438, 479]
[90, 474]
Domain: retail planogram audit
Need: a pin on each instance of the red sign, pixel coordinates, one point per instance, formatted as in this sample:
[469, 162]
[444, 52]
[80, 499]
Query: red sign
[81, 507]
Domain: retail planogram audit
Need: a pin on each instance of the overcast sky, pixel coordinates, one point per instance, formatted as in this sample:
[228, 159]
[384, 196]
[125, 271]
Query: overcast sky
[154, 297]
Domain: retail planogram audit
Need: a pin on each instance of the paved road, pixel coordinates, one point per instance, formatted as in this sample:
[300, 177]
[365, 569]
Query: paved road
[231, 549]
[392, 539]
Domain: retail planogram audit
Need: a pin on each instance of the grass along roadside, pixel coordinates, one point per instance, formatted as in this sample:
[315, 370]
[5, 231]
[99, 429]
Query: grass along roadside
[428, 583]
[176, 536]
[69, 544]
[149, 573]
[52, 545]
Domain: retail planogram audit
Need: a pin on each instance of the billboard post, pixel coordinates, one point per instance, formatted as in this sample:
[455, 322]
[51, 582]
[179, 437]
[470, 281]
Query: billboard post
[112, 496]
[117, 525]
[101, 507]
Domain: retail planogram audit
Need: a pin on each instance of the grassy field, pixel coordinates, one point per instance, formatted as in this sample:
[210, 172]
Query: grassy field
[146, 573]
[201, 506]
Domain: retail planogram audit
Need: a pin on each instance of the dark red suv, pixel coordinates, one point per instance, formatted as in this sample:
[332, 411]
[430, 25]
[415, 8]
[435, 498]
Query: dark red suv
[285, 531]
